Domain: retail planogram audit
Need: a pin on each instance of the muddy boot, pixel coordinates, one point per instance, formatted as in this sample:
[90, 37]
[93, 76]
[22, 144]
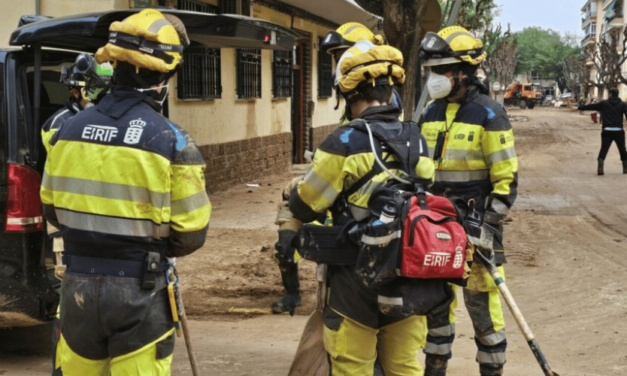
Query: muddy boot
[435, 365]
[600, 167]
[624, 167]
[292, 298]
[287, 303]
[490, 369]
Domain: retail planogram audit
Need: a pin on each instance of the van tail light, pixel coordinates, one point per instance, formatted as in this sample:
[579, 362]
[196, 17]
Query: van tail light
[23, 201]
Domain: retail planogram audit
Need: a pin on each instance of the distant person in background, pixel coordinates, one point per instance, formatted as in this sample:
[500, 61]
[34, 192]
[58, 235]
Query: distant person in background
[612, 111]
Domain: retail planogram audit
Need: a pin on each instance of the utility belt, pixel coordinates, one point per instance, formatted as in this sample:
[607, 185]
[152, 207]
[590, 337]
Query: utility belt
[147, 271]
[330, 245]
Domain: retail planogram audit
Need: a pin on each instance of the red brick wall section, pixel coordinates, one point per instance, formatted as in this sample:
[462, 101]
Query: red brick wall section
[246, 161]
[319, 133]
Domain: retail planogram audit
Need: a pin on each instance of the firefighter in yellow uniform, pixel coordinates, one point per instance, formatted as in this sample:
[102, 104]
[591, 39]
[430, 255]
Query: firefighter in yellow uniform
[335, 44]
[355, 331]
[471, 142]
[126, 187]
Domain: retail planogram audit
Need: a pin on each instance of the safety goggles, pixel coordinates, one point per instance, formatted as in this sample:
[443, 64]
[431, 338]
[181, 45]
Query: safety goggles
[441, 69]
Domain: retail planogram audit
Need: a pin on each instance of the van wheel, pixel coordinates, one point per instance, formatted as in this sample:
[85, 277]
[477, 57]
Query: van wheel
[522, 104]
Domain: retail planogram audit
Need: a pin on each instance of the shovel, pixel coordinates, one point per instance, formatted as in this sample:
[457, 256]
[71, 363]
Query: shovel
[520, 320]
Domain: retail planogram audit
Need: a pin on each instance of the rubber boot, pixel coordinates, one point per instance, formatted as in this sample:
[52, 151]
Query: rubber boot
[600, 167]
[292, 298]
[491, 369]
[624, 167]
[435, 365]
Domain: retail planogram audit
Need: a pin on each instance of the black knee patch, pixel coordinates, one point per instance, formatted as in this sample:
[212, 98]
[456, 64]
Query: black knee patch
[331, 319]
[165, 348]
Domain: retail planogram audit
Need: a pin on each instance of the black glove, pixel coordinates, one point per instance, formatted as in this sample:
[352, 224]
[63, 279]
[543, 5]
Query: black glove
[285, 248]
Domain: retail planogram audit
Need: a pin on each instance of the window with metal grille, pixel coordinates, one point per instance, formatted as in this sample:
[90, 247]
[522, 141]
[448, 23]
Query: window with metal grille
[199, 76]
[282, 74]
[197, 6]
[249, 73]
[228, 6]
[325, 73]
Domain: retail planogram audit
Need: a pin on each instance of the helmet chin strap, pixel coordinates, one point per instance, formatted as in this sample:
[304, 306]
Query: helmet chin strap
[158, 97]
[458, 85]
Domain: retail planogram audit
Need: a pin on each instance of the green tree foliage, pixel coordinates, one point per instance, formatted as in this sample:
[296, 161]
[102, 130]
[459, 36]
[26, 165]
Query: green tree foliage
[545, 52]
[473, 14]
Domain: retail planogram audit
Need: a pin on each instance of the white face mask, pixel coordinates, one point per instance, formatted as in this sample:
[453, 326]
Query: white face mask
[439, 86]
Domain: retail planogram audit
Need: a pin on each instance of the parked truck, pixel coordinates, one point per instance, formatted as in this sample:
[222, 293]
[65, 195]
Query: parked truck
[522, 95]
[31, 91]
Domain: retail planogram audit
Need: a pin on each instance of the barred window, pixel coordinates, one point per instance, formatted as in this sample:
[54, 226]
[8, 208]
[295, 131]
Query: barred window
[249, 73]
[282, 74]
[325, 73]
[197, 6]
[229, 6]
[200, 74]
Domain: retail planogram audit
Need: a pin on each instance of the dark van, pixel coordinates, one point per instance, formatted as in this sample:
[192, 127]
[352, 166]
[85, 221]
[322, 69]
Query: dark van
[30, 92]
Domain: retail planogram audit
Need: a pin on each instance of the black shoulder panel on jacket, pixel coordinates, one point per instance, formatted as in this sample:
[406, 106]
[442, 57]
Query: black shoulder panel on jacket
[496, 118]
[436, 111]
[141, 127]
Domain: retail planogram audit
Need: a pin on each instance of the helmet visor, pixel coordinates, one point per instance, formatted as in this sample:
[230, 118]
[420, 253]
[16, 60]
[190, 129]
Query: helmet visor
[334, 41]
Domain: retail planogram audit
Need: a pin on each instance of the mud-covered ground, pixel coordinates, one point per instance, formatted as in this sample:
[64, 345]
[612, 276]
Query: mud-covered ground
[566, 246]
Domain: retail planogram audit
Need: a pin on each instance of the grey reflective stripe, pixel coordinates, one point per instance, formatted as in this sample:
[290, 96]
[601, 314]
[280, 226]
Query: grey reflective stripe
[461, 176]
[455, 35]
[490, 358]
[55, 119]
[395, 301]
[442, 349]
[321, 186]
[493, 339]
[463, 155]
[431, 152]
[106, 190]
[157, 25]
[46, 182]
[498, 206]
[191, 203]
[443, 331]
[351, 29]
[501, 155]
[112, 225]
[358, 213]
[380, 240]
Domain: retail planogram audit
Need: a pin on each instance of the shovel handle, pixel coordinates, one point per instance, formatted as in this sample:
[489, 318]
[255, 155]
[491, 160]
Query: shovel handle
[518, 317]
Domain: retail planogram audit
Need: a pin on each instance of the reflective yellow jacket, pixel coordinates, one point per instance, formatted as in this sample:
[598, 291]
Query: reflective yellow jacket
[478, 159]
[121, 179]
[339, 162]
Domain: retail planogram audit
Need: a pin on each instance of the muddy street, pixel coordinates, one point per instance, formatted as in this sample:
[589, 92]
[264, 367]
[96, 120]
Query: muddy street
[566, 245]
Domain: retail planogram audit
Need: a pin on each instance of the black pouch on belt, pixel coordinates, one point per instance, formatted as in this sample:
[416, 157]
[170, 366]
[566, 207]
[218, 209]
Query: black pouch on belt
[327, 245]
[151, 270]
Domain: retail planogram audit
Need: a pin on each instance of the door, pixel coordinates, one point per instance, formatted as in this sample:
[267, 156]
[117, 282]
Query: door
[298, 105]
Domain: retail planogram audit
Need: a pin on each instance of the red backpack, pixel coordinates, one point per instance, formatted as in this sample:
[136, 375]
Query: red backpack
[434, 243]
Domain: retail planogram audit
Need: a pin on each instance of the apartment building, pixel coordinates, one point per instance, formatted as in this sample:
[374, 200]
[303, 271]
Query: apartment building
[599, 17]
[252, 112]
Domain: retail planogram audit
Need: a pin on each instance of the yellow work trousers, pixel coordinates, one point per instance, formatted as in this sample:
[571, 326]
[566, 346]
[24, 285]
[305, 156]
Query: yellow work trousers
[353, 347]
[141, 362]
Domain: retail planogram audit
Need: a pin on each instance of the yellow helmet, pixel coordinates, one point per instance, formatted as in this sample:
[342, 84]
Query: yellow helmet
[146, 40]
[347, 35]
[367, 64]
[451, 45]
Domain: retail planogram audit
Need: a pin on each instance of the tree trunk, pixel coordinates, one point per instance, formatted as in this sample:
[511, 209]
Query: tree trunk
[404, 32]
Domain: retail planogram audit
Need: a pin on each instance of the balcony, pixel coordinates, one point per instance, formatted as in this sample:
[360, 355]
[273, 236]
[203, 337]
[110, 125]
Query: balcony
[614, 11]
[590, 38]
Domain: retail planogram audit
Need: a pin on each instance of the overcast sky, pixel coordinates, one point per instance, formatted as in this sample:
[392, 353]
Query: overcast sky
[559, 15]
